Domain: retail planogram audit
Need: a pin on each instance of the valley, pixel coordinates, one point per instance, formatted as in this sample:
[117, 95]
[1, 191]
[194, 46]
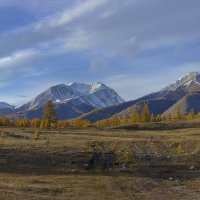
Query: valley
[99, 100]
[99, 164]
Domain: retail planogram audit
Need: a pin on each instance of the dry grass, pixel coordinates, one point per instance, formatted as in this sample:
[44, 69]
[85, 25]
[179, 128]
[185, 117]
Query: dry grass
[55, 166]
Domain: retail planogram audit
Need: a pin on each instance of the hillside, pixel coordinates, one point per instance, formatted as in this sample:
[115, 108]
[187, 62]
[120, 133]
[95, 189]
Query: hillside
[189, 102]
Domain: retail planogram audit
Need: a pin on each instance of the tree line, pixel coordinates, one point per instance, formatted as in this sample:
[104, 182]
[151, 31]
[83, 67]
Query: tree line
[50, 120]
[145, 116]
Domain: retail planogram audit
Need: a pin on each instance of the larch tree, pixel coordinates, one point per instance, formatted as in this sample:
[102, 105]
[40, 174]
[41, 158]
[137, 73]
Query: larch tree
[42, 124]
[49, 114]
[134, 116]
[191, 115]
[36, 135]
[124, 120]
[146, 115]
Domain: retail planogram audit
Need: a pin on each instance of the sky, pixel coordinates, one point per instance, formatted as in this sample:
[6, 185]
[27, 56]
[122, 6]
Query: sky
[134, 46]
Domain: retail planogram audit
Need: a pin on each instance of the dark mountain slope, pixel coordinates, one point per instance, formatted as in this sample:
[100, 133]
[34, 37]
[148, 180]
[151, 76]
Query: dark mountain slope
[67, 110]
[186, 104]
[104, 113]
[156, 106]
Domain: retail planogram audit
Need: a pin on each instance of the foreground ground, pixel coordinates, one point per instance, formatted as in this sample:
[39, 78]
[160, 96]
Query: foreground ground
[91, 164]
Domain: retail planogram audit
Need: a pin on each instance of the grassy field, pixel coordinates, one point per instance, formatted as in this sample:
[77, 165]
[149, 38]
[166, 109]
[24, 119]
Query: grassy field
[92, 164]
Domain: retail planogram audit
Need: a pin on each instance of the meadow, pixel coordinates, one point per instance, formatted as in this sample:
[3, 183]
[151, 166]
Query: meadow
[91, 163]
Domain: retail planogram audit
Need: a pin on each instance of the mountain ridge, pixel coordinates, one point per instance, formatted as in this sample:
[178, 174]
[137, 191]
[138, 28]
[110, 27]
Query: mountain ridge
[97, 101]
[158, 102]
[78, 98]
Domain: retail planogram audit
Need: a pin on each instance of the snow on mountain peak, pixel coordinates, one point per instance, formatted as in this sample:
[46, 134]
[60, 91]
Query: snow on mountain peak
[188, 78]
[97, 86]
[96, 95]
[185, 81]
[87, 88]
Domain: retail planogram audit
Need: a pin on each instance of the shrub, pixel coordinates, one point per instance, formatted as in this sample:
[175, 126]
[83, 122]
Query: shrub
[36, 135]
[179, 149]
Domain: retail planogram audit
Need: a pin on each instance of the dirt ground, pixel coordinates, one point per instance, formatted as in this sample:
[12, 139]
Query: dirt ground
[147, 164]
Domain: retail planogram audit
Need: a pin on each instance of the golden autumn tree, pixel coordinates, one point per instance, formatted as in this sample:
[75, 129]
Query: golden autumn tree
[191, 115]
[36, 135]
[5, 121]
[49, 114]
[86, 123]
[115, 121]
[146, 115]
[35, 123]
[158, 118]
[124, 120]
[81, 123]
[134, 116]
[42, 124]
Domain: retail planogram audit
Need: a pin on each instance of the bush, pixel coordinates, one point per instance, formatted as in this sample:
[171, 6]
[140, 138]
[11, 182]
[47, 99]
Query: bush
[36, 135]
[179, 149]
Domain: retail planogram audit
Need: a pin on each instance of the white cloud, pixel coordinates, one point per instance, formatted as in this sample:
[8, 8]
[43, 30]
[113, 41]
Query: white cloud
[117, 27]
[78, 11]
[132, 86]
[19, 65]
[105, 28]
[16, 58]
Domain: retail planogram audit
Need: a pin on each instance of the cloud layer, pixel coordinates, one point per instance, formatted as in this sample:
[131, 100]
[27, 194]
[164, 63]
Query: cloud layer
[100, 39]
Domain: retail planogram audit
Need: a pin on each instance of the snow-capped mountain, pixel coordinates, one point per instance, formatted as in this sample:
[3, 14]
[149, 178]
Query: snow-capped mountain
[191, 79]
[4, 105]
[96, 95]
[70, 101]
[82, 100]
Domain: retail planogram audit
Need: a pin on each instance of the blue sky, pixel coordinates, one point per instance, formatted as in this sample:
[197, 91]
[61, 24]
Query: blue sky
[133, 46]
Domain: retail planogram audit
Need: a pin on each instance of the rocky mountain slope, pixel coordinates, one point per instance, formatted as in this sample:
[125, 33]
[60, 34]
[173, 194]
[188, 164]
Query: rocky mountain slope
[70, 100]
[184, 93]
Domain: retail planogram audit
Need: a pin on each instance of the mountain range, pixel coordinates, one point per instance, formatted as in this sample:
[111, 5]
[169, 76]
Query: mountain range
[97, 101]
[183, 94]
[70, 101]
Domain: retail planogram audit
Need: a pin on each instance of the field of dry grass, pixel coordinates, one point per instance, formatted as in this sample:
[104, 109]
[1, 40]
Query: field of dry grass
[160, 164]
